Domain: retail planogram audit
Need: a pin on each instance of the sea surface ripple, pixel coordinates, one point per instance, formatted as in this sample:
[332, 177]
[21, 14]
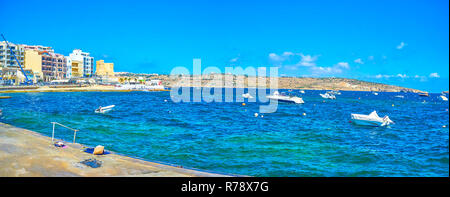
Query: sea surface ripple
[226, 137]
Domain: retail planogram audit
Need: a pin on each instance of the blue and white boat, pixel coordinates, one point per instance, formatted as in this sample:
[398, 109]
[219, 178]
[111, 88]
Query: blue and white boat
[104, 109]
[334, 92]
[282, 98]
[371, 120]
[328, 96]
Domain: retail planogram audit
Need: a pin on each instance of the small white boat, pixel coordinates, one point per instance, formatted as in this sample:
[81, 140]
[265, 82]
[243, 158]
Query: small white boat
[375, 93]
[247, 95]
[444, 98]
[371, 120]
[302, 91]
[104, 109]
[328, 96]
[290, 99]
[400, 96]
[333, 92]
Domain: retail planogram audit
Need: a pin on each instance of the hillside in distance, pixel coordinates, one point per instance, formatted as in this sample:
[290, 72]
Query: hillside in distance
[242, 81]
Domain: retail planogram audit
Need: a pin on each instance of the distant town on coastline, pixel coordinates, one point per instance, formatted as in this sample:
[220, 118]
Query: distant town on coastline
[43, 66]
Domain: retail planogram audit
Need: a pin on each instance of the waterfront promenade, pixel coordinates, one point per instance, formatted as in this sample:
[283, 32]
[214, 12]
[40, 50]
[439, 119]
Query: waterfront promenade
[92, 88]
[24, 153]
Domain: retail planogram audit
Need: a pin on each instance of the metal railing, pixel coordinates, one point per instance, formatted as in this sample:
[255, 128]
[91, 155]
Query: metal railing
[56, 123]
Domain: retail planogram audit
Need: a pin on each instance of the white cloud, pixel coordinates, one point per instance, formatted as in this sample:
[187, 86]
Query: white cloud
[287, 56]
[434, 75]
[343, 65]
[308, 64]
[379, 76]
[359, 61]
[308, 60]
[287, 53]
[336, 69]
[275, 57]
[401, 45]
[422, 78]
[280, 58]
[402, 76]
[318, 70]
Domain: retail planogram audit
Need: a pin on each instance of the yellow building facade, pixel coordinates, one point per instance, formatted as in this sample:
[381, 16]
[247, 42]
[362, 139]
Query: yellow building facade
[33, 61]
[77, 68]
[104, 69]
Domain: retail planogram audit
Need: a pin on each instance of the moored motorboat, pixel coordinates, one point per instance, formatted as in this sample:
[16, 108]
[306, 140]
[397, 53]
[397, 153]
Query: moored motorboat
[290, 99]
[328, 96]
[444, 98]
[371, 120]
[334, 92]
[104, 109]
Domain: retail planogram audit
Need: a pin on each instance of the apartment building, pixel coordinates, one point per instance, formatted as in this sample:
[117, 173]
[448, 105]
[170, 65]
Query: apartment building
[10, 71]
[33, 61]
[87, 63]
[45, 63]
[54, 66]
[77, 69]
[7, 58]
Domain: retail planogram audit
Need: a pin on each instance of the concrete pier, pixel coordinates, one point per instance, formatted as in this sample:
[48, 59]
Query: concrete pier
[24, 153]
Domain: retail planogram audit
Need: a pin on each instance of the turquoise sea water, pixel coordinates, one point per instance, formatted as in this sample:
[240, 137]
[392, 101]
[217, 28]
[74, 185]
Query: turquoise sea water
[226, 137]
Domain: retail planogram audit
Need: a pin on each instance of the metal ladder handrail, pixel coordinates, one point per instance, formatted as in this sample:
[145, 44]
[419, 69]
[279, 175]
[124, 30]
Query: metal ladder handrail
[56, 123]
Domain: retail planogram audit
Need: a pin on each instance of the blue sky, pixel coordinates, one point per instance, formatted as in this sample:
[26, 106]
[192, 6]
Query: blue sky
[396, 42]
